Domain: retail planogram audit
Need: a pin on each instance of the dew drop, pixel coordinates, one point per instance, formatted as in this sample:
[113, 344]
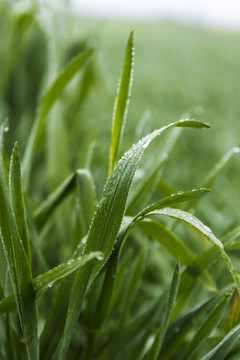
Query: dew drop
[50, 284]
[84, 241]
[38, 282]
[236, 149]
[6, 128]
[99, 257]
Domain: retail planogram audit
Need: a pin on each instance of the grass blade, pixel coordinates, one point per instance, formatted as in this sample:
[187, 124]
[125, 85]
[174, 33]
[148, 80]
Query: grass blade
[48, 101]
[157, 344]
[166, 238]
[44, 282]
[180, 329]
[207, 327]
[17, 201]
[19, 269]
[44, 211]
[121, 104]
[205, 230]
[190, 219]
[174, 199]
[224, 347]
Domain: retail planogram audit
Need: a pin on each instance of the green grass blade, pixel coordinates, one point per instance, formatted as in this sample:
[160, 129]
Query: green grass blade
[180, 329]
[44, 282]
[166, 238]
[17, 201]
[205, 230]
[207, 327]
[47, 207]
[55, 321]
[160, 232]
[174, 199]
[191, 220]
[48, 101]
[87, 203]
[157, 344]
[19, 269]
[224, 347]
[121, 103]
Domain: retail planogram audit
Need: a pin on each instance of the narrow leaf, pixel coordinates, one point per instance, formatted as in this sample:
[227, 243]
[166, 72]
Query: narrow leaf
[167, 239]
[121, 103]
[225, 346]
[45, 209]
[19, 269]
[174, 199]
[44, 282]
[157, 344]
[207, 327]
[17, 201]
[47, 103]
[205, 230]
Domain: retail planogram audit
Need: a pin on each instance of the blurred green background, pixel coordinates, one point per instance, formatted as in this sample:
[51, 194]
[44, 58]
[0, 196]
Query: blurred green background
[180, 71]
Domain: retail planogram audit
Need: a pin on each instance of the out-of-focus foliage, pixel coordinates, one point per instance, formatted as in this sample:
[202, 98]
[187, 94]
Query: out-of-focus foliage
[123, 266]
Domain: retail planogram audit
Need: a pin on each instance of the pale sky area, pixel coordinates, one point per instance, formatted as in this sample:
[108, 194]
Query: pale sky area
[220, 13]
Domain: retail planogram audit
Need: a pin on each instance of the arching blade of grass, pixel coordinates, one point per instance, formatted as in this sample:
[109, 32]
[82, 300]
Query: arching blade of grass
[157, 344]
[159, 231]
[173, 200]
[106, 224]
[206, 231]
[225, 346]
[121, 103]
[44, 282]
[19, 268]
[48, 101]
[199, 266]
[17, 201]
[190, 219]
[207, 327]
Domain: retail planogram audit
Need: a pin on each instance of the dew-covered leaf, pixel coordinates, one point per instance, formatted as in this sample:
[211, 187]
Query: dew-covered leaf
[121, 103]
[44, 282]
[19, 268]
[17, 200]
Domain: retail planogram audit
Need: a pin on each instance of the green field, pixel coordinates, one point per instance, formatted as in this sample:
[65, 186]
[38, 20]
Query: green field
[114, 247]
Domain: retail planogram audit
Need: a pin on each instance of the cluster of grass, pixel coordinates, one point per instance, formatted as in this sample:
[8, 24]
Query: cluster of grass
[100, 258]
